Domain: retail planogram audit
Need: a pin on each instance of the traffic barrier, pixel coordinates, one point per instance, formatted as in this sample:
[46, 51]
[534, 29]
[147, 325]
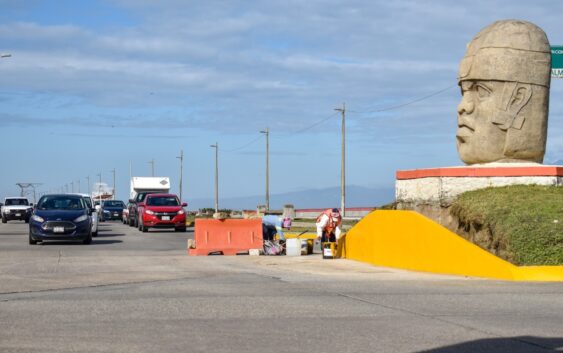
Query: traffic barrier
[226, 236]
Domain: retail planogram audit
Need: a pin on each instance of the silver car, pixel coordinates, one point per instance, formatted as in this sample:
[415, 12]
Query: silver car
[90, 204]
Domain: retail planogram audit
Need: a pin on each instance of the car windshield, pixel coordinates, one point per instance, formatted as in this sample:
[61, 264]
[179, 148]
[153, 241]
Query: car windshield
[61, 202]
[17, 202]
[163, 201]
[87, 201]
[114, 204]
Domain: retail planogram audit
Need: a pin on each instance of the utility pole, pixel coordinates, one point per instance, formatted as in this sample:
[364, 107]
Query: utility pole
[88, 184]
[181, 158]
[78, 185]
[343, 163]
[100, 188]
[216, 146]
[72, 186]
[151, 162]
[113, 171]
[25, 186]
[267, 133]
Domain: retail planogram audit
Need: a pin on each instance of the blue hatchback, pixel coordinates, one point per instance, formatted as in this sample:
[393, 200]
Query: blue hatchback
[60, 217]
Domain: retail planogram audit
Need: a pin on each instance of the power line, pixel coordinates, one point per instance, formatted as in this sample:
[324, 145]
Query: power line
[406, 103]
[243, 146]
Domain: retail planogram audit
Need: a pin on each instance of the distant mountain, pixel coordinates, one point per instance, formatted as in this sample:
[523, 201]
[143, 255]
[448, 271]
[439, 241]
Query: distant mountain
[356, 196]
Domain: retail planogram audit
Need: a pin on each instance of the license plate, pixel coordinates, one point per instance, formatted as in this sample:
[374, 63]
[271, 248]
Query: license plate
[18, 214]
[165, 218]
[116, 214]
[59, 229]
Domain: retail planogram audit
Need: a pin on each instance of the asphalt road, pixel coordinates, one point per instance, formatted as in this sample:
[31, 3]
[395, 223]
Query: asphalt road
[139, 292]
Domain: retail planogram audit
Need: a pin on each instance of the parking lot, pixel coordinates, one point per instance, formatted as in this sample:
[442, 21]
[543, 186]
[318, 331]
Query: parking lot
[130, 291]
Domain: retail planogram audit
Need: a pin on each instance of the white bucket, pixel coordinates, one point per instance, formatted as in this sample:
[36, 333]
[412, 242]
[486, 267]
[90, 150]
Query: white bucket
[293, 247]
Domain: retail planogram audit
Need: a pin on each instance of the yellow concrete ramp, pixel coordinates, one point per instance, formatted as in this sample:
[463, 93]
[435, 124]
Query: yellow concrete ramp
[408, 240]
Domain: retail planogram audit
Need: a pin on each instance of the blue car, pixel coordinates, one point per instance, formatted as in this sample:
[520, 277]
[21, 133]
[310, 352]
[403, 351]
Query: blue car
[112, 209]
[61, 217]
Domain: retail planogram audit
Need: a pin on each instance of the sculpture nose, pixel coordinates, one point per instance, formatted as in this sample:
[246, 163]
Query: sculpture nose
[465, 106]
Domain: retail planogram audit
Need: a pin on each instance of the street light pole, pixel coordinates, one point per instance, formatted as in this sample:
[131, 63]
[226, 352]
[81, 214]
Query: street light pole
[216, 146]
[114, 193]
[100, 189]
[181, 158]
[88, 185]
[267, 133]
[151, 162]
[343, 163]
[78, 185]
[72, 186]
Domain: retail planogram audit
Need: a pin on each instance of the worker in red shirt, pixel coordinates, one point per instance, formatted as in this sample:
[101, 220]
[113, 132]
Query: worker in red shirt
[329, 225]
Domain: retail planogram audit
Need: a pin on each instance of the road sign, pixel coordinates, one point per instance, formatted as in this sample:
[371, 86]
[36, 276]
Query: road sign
[557, 61]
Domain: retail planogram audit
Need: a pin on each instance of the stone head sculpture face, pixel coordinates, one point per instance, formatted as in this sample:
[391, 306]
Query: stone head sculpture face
[504, 79]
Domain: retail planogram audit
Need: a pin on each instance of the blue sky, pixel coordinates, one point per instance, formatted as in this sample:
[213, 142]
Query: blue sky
[94, 85]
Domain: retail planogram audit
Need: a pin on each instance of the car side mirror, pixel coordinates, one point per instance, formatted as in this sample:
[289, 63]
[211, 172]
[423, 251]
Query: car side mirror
[31, 204]
[184, 204]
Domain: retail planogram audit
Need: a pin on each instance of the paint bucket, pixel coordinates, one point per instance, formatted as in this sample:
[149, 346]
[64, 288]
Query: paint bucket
[293, 247]
[329, 250]
[304, 247]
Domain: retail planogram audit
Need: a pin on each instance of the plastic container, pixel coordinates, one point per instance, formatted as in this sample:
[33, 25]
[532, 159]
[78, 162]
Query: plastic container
[304, 247]
[293, 247]
[329, 250]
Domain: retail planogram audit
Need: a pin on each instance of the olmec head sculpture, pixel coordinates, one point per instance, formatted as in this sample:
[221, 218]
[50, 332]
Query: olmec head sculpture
[504, 79]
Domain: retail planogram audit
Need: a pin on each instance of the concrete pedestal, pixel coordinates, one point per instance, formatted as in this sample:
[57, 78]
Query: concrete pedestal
[430, 191]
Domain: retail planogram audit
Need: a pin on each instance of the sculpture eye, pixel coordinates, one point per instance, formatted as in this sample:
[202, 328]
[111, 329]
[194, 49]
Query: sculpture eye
[482, 91]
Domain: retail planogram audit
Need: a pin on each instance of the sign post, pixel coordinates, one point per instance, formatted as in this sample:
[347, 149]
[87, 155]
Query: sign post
[557, 61]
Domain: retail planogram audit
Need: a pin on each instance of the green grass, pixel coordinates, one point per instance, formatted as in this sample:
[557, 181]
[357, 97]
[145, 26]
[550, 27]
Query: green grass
[523, 224]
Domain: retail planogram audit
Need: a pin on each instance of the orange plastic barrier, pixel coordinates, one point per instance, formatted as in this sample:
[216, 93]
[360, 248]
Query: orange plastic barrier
[227, 236]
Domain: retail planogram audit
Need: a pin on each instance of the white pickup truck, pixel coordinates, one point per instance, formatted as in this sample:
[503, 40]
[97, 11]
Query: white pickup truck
[16, 208]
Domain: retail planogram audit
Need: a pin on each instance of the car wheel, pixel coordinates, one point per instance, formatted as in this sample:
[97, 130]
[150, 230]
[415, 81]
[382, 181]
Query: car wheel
[144, 229]
[95, 234]
[31, 241]
[88, 239]
[27, 220]
[4, 220]
[181, 229]
[130, 222]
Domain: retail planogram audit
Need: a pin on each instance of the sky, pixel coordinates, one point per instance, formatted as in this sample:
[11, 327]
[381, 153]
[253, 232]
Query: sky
[93, 86]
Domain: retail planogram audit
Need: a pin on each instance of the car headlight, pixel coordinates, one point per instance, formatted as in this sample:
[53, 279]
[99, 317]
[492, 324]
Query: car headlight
[181, 212]
[36, 218]
[149, 212]
[6, 210]
[81, 218]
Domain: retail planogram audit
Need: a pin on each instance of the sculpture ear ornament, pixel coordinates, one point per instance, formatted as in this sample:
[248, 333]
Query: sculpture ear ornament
[510, 118]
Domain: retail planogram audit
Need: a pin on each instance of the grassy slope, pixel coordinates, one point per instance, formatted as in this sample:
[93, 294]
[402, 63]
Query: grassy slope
[525, 221]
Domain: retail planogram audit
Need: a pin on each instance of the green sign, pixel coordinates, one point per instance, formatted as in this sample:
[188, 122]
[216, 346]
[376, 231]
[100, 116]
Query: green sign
[557, 61]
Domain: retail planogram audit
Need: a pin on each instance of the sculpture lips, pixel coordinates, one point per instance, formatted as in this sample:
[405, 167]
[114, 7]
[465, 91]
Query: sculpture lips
[463, 133]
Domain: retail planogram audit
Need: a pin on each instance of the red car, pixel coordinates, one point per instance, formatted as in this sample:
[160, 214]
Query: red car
[162, 211]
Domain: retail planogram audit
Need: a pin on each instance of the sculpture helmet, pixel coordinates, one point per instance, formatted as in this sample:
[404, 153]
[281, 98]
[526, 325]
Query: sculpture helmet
[508, 50]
